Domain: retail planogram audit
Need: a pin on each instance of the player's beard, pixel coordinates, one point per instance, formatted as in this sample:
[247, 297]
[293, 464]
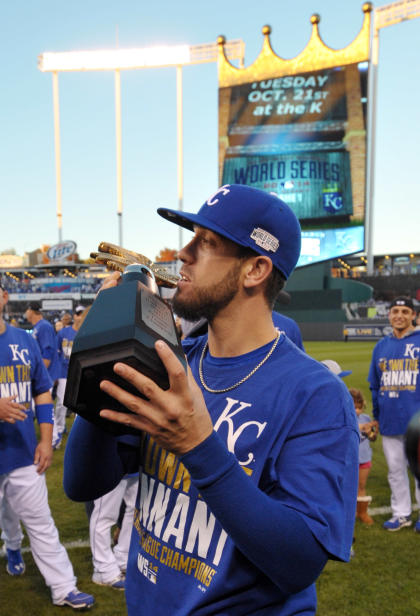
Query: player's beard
[208, 301]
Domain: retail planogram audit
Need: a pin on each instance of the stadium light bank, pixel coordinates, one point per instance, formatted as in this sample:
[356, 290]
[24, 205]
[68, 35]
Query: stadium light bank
[384, 16]
[130, 59]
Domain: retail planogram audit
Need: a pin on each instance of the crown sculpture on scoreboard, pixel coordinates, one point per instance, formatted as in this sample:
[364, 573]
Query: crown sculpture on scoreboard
[315, 56]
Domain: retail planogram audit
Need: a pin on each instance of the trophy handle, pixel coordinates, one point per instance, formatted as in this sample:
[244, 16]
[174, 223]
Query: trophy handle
[116, 258]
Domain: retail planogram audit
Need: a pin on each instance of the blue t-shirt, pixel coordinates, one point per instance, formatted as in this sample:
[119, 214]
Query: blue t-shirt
[365, 450]
[293, 431]
[289, 327]
[394, 382]
[65, 338]
[281, 322]
[45, 335]
[22, 373]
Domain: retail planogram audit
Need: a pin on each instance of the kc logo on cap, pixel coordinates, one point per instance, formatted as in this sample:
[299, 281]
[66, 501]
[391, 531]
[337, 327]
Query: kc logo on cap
[223, 189]
[251, 218]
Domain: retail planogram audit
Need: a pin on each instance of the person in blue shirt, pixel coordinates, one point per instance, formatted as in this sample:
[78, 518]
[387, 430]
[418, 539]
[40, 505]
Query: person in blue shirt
[248, 462]
[285, 324]
[64, 338]
[289, 327]
[395, 386]
[45, 335]
[25, 384]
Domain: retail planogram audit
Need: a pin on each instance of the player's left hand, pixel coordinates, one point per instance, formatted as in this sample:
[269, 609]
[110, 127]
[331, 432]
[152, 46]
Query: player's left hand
[43, 456]
[176, 418]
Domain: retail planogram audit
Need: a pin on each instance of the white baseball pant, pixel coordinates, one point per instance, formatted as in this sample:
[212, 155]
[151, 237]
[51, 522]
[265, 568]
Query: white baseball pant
[108, 563]
[11, 534]
[60, 411]
[398, 480]
[26, 492]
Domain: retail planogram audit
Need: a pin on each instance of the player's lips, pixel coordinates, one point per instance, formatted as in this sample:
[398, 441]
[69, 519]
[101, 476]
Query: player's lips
[184, 279]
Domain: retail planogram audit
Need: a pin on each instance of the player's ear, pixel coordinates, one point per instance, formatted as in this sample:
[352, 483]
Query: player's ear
[256, 271]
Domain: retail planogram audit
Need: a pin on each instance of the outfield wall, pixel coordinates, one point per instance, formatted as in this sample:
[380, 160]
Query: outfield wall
[316, 301]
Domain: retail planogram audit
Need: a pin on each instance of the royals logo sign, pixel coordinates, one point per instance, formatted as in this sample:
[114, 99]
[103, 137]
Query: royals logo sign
[332, 201]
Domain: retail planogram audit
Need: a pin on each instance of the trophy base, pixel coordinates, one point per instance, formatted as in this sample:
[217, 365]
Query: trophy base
[87, 369]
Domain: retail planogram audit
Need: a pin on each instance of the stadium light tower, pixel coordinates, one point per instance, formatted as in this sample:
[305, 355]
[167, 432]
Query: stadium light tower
[129, 59]
[387, 15]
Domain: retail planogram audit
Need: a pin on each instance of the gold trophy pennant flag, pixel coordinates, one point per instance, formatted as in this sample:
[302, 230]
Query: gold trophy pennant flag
[117, 258]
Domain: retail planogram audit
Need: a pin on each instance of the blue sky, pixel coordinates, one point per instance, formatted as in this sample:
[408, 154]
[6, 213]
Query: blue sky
[27, 187]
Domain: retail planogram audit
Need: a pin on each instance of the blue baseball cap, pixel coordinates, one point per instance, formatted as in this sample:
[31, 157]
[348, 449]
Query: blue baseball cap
[249, 217]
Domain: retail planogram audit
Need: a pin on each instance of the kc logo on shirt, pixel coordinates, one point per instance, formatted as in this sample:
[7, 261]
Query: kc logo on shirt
[233, 434]
[411, 351]
[19, 355]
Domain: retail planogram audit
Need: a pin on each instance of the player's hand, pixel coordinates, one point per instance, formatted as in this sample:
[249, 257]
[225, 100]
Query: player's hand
[11, 411]
[110, 281]
[177, 418]
[43, 456]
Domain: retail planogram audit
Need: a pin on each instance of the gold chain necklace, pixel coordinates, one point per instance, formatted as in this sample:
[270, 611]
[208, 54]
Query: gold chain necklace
[257, 367]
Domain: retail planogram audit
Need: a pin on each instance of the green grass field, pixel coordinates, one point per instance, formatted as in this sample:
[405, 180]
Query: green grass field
[381, 580]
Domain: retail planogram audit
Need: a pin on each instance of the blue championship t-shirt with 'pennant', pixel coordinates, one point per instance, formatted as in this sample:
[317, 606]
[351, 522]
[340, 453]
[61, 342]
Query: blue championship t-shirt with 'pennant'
[394, 382]
[22, 374]
[292, 428]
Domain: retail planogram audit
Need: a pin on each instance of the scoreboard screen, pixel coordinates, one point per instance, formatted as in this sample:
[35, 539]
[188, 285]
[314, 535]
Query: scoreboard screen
[303, 137]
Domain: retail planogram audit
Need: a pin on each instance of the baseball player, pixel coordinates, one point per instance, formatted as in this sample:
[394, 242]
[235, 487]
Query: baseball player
[289, 327]
[285, 324]
[248, 463]
[395, 386]
[65, 338]
[44, 334]
[23, 461]
[12, 535]
[110, 565]
[67, 319]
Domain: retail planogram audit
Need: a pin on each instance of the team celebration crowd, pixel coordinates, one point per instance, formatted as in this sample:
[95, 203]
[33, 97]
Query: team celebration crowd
[210, 483]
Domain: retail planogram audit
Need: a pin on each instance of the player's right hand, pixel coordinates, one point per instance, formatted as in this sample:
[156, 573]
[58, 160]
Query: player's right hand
[11, 411]
[110, 281]
[176, 418]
